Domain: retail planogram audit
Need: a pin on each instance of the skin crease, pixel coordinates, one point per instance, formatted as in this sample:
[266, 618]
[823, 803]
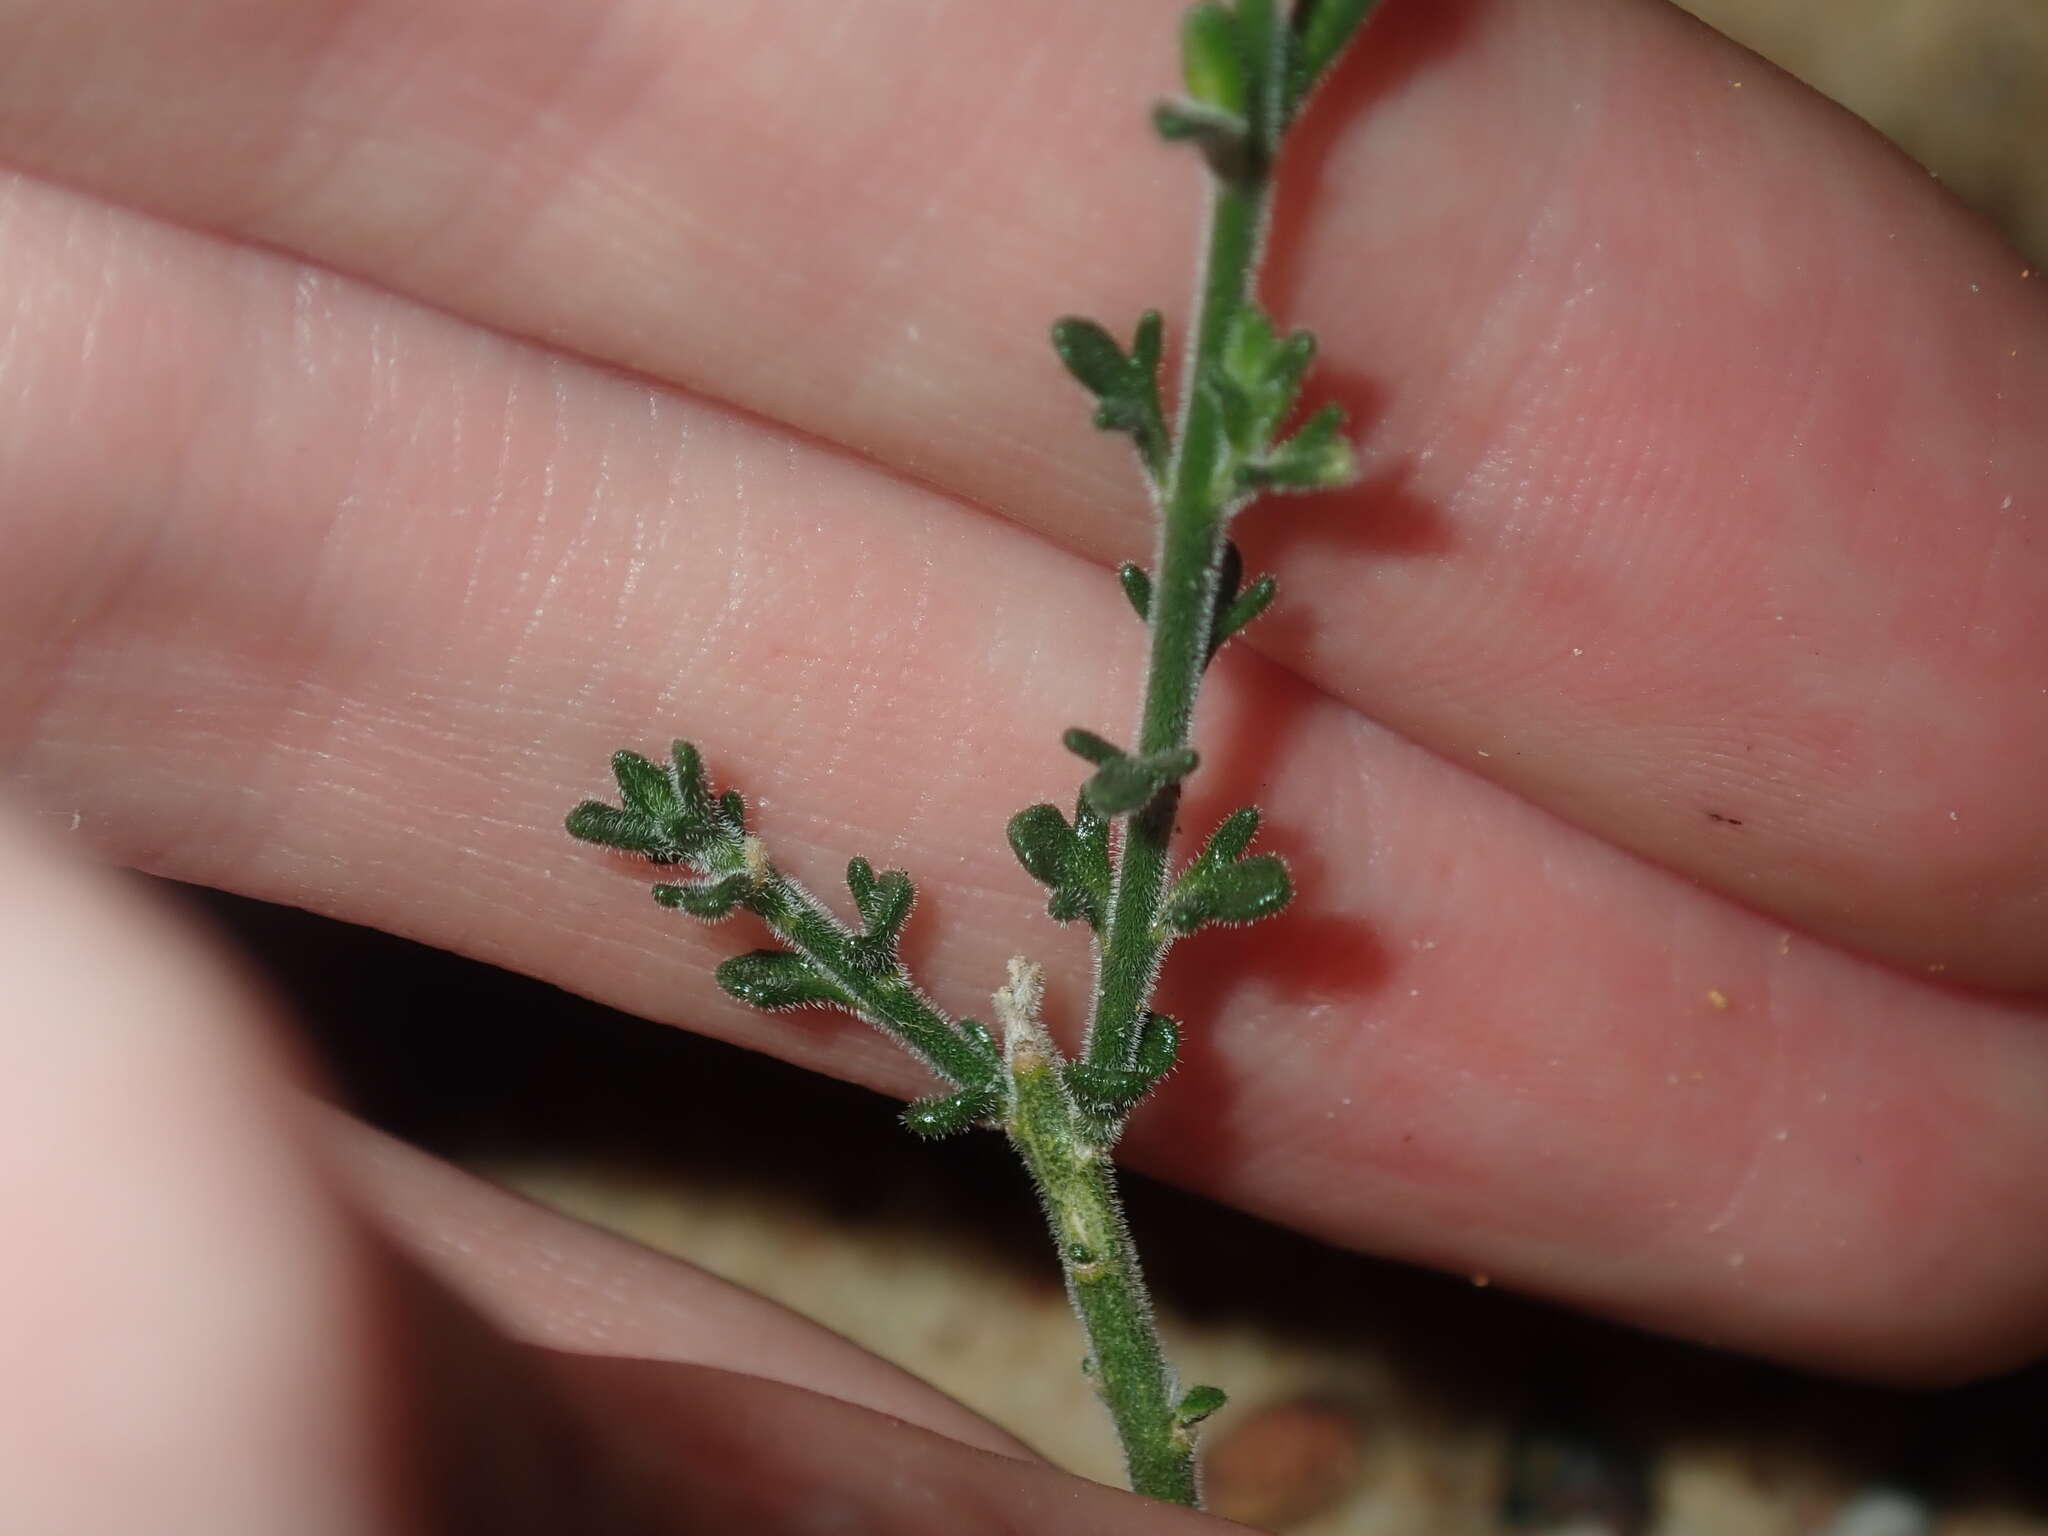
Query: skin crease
[1690, 414]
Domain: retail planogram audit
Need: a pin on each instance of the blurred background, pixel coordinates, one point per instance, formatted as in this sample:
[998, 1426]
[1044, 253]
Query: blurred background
[1960, 85]
[1365, 1399]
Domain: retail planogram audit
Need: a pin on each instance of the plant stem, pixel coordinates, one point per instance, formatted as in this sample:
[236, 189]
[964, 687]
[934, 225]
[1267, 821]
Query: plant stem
[882, 994]
[1077, 1186]
[1183, 612]
[1068, 1163]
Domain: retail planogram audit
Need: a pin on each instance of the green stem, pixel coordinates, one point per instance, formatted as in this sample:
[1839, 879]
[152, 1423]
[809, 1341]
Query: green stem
[1183, 612]
[883, 994]
[1077, 1186]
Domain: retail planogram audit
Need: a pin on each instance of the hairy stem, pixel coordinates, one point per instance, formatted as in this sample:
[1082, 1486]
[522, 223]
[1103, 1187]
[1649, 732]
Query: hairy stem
[1248, 71]
[883, 995]
[1077, 1186]
[1182, 618]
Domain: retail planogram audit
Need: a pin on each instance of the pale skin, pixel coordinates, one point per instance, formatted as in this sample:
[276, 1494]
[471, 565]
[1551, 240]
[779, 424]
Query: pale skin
[458, 393]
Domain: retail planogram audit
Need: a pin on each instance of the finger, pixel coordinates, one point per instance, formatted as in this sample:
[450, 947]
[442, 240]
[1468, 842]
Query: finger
[1700, 516]
[554, 1282]
[1484, 1039]
[191, 1337]
[198, 1338]
[740, 1454]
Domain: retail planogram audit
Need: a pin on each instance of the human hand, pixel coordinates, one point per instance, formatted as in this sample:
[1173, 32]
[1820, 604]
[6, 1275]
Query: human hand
[1681, 644]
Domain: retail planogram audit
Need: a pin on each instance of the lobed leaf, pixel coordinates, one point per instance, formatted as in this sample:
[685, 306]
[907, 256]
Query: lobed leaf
[1125, 784]
[1220, 885]
[775, 979]
[1111, 1091]
[1197, 1404]
[1071, 860]
[884, 900]
[1259, 376]
[645, 789]
[949, 1113]
[1126, 387]
[1242, 892]
[1316, 458]
[709, 899]
[664, 814]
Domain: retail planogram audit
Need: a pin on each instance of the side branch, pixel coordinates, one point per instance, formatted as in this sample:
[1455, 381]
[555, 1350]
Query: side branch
[668, 815]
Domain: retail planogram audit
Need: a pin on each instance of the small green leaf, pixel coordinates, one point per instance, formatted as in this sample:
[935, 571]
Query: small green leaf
[1086, 744]
[1262, 40]
[1242, 892]
[664, 815]
[609, 827]
[1248, 605]
[860, 879]
[1105, 1091]
[1137, 585]
[1316, 458]
[1072, 860]
[1232, 836]
[1121, 786]
[1126, 388]
[1070, 904]
[1220, 885]
[1197, 1404]
[1321, 28]
[1148, 342]
[1229, 575]
[1091, 355]
[1158, 1045]
[688, 767]
[1042, 841]
[775, 979]
[1213, 61]
[644, 788]
[1260, 371]
[1125, 784]
[949, 1113]
[708, 899]
[1111, 1092]
[983, 1043]
[884, 900]
[1224, 138]
[1250, 346]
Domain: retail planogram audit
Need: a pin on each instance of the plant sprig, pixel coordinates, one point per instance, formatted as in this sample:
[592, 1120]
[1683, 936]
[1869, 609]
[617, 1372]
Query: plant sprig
[668, 815]
[1234, 436]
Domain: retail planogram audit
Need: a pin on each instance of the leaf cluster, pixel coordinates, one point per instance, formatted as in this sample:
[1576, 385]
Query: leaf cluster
[1125, 384]
[1255, 384]
[1071, 859]
[1248, 74]
[1221, 886]
[1126, 781]
[668, 815]
[1236, 604]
